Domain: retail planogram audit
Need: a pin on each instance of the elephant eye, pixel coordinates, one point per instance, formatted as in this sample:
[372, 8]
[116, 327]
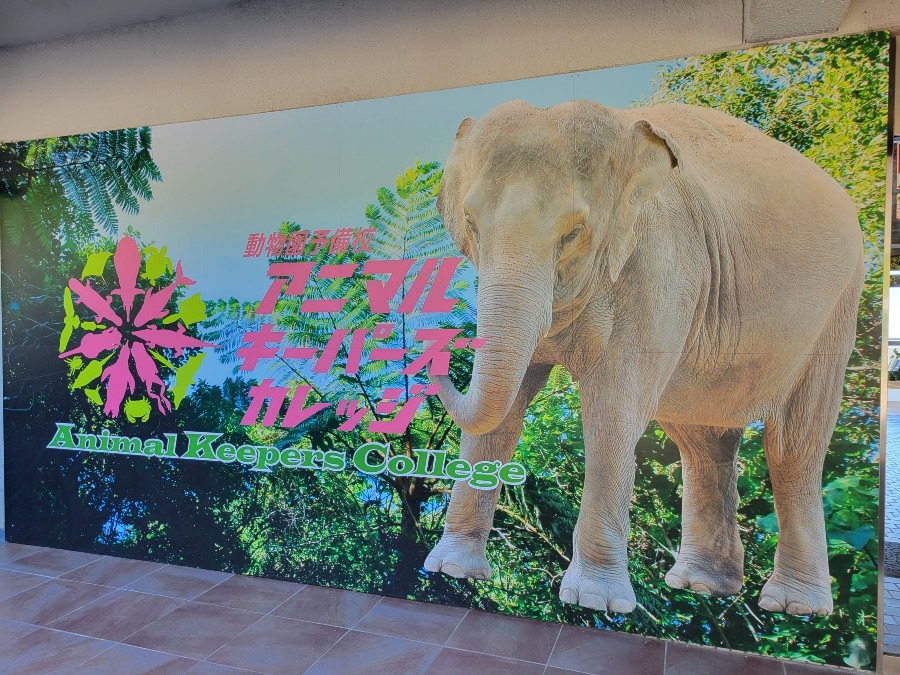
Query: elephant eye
[572, 235]
[473, 228]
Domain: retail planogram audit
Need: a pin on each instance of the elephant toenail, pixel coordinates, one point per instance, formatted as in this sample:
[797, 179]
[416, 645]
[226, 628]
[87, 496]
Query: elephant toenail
[618, 605]
[770, 604]
[674, 581]
[799, 608]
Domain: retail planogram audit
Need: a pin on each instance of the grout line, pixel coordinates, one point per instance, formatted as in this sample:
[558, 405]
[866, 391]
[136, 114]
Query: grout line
[80, 607]
[85, 583]
[5, 645]
[36, 629]
[81, 567]
[122, 644]
[38, 549]
[159, 569]
[553, 648]
[359, 630]
[567, 670]
[161, 566]
[472, 651]
[183, 603]
[10, 597]
[325, 653]
[456, 628]
[666, 658]
[397, 637]
[408, 639]
[127, 587]
[271, 611]
[94, 637]
[111, 643]
[427, 644]
[261, 617]
[122, 641]
[156, 594]
[31, 574]
[55, 576]
[216, 585]
[234, 668]
[512, 658]
[437, 653]
[300, 586]
[356, 623]
[220, 648]
[319, 623]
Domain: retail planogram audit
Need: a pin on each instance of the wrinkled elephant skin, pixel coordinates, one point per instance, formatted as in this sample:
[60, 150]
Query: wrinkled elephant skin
[684, 267]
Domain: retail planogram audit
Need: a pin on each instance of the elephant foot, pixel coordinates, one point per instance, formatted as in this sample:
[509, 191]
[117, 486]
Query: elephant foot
[782, 594]
[597, 588]
[459, 557]
[709, 574]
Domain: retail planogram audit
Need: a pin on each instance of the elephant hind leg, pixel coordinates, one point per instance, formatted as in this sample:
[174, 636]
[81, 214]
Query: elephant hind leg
[795, 441]
[710, 558]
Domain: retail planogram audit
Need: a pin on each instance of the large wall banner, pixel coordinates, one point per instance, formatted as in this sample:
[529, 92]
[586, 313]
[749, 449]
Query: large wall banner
[599, 348]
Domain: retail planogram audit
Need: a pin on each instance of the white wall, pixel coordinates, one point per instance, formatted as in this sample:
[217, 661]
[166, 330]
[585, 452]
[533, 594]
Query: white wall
[892, 313]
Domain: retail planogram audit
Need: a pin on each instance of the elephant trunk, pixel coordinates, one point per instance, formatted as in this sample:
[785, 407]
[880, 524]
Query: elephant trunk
[514, 313]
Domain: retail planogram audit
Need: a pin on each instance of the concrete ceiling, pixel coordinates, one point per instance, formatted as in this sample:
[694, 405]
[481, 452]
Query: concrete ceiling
[26, 21]
[219, 58]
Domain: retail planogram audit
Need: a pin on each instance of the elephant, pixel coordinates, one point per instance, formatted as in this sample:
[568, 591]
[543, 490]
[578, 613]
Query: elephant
[684, 267]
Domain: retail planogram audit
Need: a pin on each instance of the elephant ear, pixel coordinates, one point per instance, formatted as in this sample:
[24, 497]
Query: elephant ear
[450, 199]
[652, 156]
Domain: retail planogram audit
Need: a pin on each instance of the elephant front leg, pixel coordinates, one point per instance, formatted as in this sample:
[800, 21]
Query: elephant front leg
[598, 574]
[470, 514]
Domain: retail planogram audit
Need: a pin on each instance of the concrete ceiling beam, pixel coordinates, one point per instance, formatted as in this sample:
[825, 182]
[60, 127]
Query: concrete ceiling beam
[768, 20]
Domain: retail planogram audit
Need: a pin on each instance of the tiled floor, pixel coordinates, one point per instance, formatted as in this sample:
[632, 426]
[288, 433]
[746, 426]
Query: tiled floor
[891, 638]
[892, 472]
[67, 612]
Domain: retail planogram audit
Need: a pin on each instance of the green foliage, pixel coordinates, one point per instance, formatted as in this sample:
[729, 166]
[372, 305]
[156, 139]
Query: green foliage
[117, 505]
[367, 533]
[66, 186]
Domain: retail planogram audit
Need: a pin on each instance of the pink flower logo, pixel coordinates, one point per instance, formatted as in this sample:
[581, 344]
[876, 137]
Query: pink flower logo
[124, 338]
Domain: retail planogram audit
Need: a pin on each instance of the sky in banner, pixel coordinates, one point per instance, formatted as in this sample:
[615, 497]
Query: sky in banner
[224, 179]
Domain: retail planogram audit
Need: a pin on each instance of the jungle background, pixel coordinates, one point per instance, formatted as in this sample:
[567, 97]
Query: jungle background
[62, 199]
